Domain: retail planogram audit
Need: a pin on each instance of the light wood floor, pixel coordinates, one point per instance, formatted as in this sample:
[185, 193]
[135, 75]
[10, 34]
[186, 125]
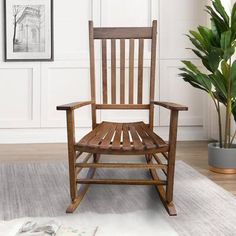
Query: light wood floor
[193, 153]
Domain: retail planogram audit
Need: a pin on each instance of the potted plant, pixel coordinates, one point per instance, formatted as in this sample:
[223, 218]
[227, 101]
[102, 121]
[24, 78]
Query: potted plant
[215, 46]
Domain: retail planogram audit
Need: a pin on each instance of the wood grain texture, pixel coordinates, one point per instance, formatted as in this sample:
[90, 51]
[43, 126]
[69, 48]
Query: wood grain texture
[104, 71]
[153, 71]
[121, 181]
[107, 140]
[92, 72]
[81, 193]
[73, 105]
[107, 136]
[131, 71]
[122, 71]
[140, 72]
[170, 105]
[71, 152]
[161, 191]
[126, 138]
[122, 33]
[123, 106]
[86, 159]
[121, 165]
[113, 71]
[117, 138]
[171, 155]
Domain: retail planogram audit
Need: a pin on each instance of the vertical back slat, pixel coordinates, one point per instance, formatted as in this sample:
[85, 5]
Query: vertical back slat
[131, 71]
[122, 71]
[153, 70]
[140, 71]
[92, 72]
[113, 71]
[110, 84]
[104, 70]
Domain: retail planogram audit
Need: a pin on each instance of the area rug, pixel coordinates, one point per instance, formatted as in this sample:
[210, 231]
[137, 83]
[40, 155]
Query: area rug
[41, 190]
[137, 223]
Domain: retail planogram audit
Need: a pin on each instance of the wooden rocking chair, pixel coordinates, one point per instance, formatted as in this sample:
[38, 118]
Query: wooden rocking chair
[122, 138]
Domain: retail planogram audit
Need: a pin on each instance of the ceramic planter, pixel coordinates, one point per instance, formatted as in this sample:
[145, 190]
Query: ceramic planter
[222, 160]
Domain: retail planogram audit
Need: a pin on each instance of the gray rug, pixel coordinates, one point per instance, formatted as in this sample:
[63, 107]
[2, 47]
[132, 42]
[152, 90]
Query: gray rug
[41, 189]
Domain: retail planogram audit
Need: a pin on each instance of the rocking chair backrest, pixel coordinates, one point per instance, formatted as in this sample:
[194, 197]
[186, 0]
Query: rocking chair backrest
[122, 36]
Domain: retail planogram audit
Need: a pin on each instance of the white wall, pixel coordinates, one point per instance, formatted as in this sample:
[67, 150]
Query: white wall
[29, 92]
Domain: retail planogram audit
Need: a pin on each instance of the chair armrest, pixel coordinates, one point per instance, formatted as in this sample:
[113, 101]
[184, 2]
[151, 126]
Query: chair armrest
[171, 106]
[73, 105]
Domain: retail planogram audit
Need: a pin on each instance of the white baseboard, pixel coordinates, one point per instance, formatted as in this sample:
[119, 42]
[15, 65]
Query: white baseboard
[58, 135]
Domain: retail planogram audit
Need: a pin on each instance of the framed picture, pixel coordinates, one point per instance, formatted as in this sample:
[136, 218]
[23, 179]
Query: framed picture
[28, 30]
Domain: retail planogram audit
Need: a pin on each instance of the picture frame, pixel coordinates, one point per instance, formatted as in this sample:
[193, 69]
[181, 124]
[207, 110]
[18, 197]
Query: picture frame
[28, 30]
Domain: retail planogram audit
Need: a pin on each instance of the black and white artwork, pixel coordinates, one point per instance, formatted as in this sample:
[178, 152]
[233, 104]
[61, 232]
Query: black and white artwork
[28, 30]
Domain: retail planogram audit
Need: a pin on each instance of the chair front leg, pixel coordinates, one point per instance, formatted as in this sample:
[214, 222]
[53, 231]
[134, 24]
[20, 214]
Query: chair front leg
[171, 155]
[71, 153]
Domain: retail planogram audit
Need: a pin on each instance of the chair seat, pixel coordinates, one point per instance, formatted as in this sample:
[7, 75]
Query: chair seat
[122, 138]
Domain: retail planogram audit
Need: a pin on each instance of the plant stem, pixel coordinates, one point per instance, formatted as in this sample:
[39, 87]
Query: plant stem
[227, 124]
[231, 142]
[217, 105]
[220, 124]
[228, 113]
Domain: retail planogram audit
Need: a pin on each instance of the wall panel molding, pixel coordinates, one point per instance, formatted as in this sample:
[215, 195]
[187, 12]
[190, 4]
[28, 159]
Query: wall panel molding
[64, 82]
[20, 102]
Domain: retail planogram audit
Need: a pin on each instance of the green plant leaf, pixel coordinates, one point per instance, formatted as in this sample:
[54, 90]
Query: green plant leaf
[188, 78]
[220, 23]
[200, 81]
[204, 81]
[220, 9]
[219, 83]
[205, 62]
[207, 36]
[197, 44]
[197, 53]
[233, 29]
[234, 111]
[215, 33]
[225, 39]
[196, 77]
[225, 68]
[233, 15]
[197, 36]
[191, 66]
[214, 59]
[229, 52]
[233, 79]
[218, 96]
